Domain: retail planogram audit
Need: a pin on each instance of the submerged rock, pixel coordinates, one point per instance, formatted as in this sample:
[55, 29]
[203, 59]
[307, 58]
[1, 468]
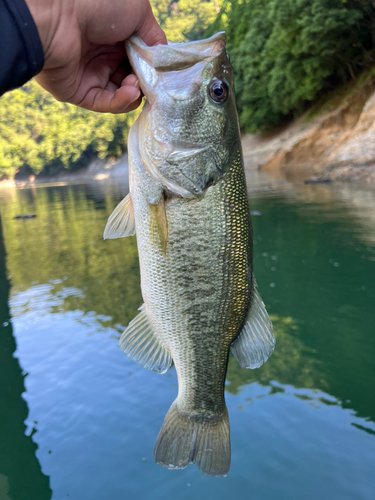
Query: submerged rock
[25, 217]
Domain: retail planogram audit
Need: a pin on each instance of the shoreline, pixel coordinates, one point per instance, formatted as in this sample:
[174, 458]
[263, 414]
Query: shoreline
[338, 144]
[97, 170]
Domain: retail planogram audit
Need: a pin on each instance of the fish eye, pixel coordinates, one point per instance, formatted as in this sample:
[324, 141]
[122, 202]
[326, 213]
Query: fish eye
[218, 91]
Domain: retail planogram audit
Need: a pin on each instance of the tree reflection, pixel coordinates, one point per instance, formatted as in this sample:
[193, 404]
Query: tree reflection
[290, 364]
[64, 245]
[21, 477]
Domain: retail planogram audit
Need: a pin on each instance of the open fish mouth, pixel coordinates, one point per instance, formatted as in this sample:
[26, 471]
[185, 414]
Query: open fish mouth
[148, 62]
[176, 80]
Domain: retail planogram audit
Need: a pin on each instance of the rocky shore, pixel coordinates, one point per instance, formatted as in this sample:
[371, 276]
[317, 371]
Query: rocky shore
[338, 144]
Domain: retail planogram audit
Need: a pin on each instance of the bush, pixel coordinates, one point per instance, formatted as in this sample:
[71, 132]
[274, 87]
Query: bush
[287, 52]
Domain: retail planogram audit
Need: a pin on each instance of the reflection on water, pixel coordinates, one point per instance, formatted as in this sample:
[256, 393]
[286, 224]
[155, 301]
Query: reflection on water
[21, 477]
[305, 419]
[63, 246]
[292, 362]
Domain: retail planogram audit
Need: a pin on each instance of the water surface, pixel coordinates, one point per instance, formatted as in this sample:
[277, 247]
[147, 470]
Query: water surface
[79, 420]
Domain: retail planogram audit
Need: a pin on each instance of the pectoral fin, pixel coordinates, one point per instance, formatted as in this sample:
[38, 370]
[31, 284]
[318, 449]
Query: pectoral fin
[121, 221]
[256, 341]
[140, 344]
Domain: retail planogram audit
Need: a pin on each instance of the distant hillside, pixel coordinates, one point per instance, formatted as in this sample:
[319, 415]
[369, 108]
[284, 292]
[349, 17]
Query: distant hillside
[38, 133]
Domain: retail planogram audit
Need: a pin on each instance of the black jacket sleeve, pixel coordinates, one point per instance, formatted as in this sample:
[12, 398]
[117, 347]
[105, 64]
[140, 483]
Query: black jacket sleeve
[21, 51]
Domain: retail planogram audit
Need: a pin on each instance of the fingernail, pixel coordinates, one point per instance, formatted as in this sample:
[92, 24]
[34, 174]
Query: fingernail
[136, 97]
[137, 85]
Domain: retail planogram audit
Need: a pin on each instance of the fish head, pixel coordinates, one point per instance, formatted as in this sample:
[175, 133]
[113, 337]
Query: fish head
[188, 128]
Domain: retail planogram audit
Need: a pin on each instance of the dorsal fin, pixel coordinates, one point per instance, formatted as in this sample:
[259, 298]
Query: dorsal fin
[121, 222]
[256, 341]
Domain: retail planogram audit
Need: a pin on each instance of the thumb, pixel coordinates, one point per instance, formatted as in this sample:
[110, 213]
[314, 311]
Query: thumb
[150, 31]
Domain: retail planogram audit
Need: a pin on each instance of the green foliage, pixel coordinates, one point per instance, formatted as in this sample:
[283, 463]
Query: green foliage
[286, 52]
[184, 20]
[37, 132]
[190, 18]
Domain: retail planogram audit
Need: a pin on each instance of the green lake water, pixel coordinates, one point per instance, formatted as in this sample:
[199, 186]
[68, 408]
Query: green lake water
[79, 420]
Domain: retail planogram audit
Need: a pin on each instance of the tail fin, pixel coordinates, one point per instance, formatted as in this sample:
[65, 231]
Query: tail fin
[184, 440]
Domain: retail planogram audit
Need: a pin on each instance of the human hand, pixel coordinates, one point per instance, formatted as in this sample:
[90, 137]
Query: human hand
[85, 58]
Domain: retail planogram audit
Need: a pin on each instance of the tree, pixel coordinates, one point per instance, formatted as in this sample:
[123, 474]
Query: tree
[184, 20]
[287, 52]
[38, 132]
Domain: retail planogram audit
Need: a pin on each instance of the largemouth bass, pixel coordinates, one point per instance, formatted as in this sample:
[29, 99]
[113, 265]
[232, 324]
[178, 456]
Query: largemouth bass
[188, 207]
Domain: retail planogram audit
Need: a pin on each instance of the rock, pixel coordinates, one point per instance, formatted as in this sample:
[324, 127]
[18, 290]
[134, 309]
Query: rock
[338, 144]
[317, 181]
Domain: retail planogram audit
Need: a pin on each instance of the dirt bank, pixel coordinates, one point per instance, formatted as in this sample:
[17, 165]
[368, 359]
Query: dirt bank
[338, 144]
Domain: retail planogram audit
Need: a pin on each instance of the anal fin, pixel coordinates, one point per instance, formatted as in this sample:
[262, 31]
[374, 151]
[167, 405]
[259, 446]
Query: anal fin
[140, 344]
[256, 341]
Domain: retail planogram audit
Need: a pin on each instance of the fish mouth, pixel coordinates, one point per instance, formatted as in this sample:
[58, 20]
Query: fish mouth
[149, 62]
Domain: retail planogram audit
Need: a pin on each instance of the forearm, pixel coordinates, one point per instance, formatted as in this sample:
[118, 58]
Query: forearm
[21, 51]
[45, 14]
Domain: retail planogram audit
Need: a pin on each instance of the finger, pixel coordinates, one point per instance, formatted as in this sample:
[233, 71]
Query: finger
[120, 102]
[122, 77]
[123, 100]
[118, 75]
[112, 87]
[131, 80]
[150, 31]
